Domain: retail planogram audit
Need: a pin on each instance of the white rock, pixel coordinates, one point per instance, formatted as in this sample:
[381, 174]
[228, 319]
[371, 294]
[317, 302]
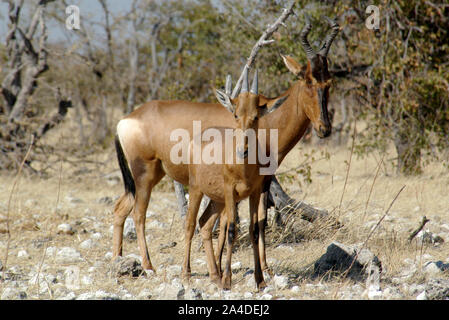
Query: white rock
[170, 291]
[194, 294]
[280, 282]
[230, 295]
[68, 255]
[199, 262]
[87, 244]
[431, 269]
[23, 254]
[96, 236]
[173, 271]
[248, 295]
[295, 289]
[236, 265]
[108, 255]
[64, 228]
[422, 296]
[31, 203]
[86, 296]
[144, 294]
[87, 281]
[157, 225]
[10, 294]
[374, 293]
[266, 296]
[129, 230]
[70, 296]
[72, 278]
[100, 294]
[268, 289]
[73, 200]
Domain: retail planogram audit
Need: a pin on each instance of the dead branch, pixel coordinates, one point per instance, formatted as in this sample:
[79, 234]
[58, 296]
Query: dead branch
[421, 226]
[263, 41]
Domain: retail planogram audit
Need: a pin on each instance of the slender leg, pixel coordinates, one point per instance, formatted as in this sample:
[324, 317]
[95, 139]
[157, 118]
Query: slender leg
[254, 237]
[147, 175]
[207, 222]
[195, 197]
[122, 209]
[262, 222]
[221, 240]
[231, 213]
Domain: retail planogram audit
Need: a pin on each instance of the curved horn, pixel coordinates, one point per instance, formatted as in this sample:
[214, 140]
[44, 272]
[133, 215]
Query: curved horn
[330, 37]
[245, 81]
[228, 86]
[255, 85]
[304, 42]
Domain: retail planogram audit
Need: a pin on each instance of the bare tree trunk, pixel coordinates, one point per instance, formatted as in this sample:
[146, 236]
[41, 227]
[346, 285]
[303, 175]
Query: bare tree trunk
[133, 60]
[408, 148]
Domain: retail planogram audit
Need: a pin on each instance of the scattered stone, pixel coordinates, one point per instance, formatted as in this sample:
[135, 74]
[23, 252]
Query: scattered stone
[105, 200]
[173, 291]
[71, 278]
[86, 296]
[415, 288]
[236, 266]
[429, 237]
[435, 268]
[295, 289]
[248, 295]
[96, 236]
[437, 289]
[87, 281]
[173, 271]
[194, 294]
[199, 262]
[73, 200]
[31, 203]
[108, 255]
[145, 294]
[23, 254]
[70, 296]
[157, 225]
[101, 295]
[280, 282]
[167, 246]
[422, 296]
[67, 255]
[340, 258]
[87, 244]
[374, 293]
[65, 228]
[266, 296]
[11, 294]
[126, 266]
[129, 230]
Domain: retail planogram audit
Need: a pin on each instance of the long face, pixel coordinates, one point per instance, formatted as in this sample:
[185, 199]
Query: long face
[246, 115]
[316, 79]
[247, 112]
[317, 85]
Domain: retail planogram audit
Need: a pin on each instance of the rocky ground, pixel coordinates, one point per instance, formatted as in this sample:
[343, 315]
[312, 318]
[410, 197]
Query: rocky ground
[61, 233]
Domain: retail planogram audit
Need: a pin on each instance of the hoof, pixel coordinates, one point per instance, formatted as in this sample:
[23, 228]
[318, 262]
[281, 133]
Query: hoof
[226, 283]
[262, 285]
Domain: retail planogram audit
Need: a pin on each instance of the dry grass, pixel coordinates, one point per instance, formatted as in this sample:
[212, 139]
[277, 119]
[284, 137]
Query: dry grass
[36, 211]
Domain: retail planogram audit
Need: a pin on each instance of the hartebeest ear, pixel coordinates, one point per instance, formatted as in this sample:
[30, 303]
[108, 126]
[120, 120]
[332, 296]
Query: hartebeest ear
[264, 109]
[225, 100]
[292, 65]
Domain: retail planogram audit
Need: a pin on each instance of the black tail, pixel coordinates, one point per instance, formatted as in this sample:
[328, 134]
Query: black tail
[126, 173]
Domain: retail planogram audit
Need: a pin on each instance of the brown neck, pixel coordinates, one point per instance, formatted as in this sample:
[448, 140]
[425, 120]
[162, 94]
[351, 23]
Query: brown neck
[290, 120]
